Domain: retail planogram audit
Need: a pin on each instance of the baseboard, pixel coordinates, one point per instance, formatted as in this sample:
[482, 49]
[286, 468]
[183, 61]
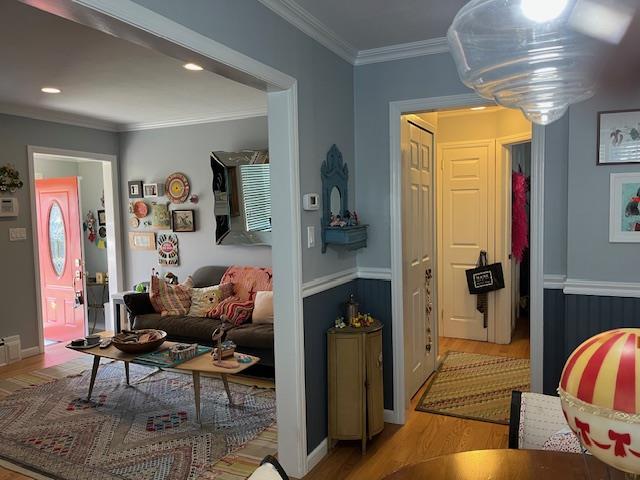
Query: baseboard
[30, 352]
[317, 455]
[390, 416]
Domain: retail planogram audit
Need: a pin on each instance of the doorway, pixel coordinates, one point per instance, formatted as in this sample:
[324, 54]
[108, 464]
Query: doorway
[75, 208]
[469, 180]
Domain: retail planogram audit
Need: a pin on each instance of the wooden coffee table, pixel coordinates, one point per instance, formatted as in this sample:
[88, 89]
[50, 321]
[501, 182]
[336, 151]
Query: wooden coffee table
[197, 365]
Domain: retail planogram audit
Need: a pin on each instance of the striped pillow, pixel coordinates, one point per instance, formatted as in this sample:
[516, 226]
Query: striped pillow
[170, 299]
[233, 310]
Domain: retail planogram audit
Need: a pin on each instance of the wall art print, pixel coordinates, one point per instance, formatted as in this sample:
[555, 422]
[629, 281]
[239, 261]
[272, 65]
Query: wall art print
[619, 137]
[168, 249]
[624, 216]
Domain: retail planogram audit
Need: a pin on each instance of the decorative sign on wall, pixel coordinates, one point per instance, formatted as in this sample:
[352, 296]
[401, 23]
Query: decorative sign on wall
[168, 249]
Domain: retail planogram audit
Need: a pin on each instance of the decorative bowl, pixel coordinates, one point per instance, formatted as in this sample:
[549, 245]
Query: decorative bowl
[138, 347]
[600, 397]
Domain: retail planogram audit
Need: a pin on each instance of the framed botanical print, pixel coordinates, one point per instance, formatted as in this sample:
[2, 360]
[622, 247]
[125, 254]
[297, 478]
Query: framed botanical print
[624, 216]
[619, 137]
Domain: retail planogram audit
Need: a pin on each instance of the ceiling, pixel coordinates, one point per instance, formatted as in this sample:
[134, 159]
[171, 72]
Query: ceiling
[105, 81]
[370, 24]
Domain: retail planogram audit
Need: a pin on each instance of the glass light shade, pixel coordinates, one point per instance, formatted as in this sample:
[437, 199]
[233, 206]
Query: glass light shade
[540, 67]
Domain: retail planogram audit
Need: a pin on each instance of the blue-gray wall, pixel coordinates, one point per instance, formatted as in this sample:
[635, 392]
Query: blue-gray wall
[320, 312]
[325, 92]
[17, 284]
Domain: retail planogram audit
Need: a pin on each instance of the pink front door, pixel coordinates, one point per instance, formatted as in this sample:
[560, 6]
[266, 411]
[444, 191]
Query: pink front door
[60, 253]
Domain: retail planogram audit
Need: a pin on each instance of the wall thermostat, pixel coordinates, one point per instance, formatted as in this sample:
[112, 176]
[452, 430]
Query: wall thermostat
[311, 201]
[8, 207]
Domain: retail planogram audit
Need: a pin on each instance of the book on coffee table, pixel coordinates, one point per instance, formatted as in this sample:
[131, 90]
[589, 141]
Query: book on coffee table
[162, 359]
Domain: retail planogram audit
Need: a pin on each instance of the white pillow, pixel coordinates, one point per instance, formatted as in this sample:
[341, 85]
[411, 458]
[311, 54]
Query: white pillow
[263, 308]
[265, 472]
[203, 300]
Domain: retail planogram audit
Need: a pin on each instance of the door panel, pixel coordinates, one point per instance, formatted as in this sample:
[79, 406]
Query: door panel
[60, 258]
[418, 244]
[468, 214]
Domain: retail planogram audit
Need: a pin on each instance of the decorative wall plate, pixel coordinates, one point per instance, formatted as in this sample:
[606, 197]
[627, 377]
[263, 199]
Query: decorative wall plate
[177, 187]
[140, 209]
[134, 222]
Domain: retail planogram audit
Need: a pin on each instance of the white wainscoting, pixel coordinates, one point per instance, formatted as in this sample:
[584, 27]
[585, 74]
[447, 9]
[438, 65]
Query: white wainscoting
[574, 286]
[328, 282]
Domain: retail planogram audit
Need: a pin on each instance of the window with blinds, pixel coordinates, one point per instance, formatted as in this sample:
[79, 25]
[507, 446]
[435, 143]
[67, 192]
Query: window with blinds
[256, 194]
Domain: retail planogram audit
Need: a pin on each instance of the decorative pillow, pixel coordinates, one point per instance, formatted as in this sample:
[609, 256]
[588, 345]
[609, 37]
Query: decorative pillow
[263, 308]
[247, 281]
[170, 299]
[233, 310]
[203, 300]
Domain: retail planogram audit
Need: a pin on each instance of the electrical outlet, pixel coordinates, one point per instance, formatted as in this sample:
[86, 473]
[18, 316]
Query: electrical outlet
[311, 237]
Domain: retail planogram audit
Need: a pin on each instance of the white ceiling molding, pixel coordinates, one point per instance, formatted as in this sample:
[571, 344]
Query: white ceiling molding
[403, 50]
[222, 117]
[57, 117]
[310, 25]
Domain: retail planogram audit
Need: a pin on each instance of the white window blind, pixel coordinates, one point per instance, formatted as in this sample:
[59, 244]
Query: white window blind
[256, 193]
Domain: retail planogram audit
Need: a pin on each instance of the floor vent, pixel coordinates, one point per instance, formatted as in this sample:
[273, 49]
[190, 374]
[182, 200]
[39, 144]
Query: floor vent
[10, 349]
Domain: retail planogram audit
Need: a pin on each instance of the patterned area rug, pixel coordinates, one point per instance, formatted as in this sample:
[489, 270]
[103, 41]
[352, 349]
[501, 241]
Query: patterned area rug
[476, 387]
[146, 431]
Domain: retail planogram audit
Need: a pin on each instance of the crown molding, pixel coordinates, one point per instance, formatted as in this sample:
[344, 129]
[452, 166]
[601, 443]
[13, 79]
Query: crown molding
[433, 46]
[310, 25]
[223, 117]
[66, 118]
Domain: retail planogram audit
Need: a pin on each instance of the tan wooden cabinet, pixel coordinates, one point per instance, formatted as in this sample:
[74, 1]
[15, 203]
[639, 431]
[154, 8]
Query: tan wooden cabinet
[356, 403]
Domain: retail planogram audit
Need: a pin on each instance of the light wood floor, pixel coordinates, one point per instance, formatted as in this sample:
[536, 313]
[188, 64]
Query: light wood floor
[424, 435]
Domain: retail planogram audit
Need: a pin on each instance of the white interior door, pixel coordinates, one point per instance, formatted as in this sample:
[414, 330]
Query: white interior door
[467, 226]
[418, 251]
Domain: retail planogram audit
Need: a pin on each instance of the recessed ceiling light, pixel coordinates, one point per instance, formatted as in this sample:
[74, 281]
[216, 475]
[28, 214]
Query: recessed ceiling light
[50, 90]
[194, 67]
[476, 109]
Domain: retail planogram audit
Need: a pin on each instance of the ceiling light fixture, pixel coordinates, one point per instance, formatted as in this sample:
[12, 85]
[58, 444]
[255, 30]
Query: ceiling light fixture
[543, 10]
[50, 90]
[194, 67]
[524, 54]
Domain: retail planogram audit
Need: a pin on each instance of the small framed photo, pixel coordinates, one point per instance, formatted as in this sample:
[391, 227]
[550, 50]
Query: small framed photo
[624, 215]
[183, 220]
[142, 240]
[135, 189]
[153, 190]
[619, 137]
[102, 217]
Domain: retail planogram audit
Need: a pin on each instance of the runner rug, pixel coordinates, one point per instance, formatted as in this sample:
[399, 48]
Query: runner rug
[477, 387]
[145, 431]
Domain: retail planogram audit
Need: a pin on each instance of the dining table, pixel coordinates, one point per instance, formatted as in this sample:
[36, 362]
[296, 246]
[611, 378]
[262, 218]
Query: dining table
[509, 465]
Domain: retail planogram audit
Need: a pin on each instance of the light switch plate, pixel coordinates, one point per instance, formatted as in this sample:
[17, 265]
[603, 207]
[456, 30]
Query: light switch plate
[17, 234]
[311, 237]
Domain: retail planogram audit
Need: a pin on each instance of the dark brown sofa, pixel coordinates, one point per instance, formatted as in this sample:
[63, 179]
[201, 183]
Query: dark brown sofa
[252, 339]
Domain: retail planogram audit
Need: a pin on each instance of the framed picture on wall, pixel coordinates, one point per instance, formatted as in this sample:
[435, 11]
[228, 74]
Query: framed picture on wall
[142, 240]
[624, 216]
[135, 189]
[183, 220]
[619, 137]
[102, 217]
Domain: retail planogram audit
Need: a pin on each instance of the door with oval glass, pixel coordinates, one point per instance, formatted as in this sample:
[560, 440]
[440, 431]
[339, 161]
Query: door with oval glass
[60, 258]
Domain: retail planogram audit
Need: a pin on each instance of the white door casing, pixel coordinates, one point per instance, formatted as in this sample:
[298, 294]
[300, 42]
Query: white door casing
[418, 144]
[467, 217]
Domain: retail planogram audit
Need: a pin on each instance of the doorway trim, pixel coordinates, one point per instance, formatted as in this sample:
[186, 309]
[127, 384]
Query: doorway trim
[130, 20]
[112, 210]
[396, 110]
